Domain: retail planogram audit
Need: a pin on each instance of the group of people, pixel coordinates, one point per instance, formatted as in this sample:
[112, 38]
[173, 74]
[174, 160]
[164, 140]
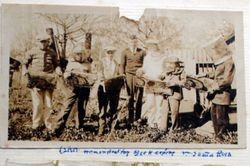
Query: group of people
[144, 70]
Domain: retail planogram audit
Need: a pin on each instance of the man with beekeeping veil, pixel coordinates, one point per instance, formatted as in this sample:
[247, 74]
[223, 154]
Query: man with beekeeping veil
[223, 76]
[152, 70]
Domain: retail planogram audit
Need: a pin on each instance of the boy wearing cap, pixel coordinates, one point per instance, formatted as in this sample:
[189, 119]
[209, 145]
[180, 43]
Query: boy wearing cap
[131, 60]
[39, 66]
[78, 80]
[108, 93]
[220, 93]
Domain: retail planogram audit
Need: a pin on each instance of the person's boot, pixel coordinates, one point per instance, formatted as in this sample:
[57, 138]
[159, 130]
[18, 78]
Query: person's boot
[58, 131]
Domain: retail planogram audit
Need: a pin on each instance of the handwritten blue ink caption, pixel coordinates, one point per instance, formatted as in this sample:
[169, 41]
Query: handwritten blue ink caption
[207, 154]
[147, 152]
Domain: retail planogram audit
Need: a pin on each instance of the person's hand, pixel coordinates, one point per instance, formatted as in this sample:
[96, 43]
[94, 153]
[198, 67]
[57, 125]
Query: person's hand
[188, 84]
[25, 74]
[211, 94]
[123, 74]
[203, 75]
[91, 79]
[89, 59]
[67, 75]
[139, 72]
[170, 84]
[25, 78]
[162, 77]
[59, 71]
[182, 83]
[25, 71]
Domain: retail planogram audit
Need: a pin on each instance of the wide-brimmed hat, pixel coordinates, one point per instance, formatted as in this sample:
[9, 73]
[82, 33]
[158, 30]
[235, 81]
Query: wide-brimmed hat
[43, 37]
[194, 83]
[172, 59]
[109, 48]
[170, 64]
[152, 41]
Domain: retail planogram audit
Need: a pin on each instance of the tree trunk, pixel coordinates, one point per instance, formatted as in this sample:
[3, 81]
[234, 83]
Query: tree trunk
[64, 46]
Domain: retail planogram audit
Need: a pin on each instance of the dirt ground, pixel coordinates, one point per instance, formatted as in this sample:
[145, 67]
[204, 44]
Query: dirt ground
[20, 113]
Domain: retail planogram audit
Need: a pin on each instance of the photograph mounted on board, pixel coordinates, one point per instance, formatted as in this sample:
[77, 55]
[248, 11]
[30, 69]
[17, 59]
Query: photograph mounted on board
[88, 76]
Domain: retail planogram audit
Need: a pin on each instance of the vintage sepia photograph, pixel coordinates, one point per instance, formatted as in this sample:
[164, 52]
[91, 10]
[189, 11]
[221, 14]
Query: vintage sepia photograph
[88, 75]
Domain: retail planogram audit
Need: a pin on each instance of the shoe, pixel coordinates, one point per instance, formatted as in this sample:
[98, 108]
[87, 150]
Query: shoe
[57, 131]
[142, 121]
[49, 126]
[157, 135]
[136, 123]
[38, 128]
[219, 138]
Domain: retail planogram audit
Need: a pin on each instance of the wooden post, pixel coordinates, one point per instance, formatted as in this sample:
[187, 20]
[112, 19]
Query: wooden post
[53, 44]
[88, 38]
[87, 44]
[64, 45]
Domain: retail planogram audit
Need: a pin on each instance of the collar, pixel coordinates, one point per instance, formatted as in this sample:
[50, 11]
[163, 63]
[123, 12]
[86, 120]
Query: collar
[222, 60]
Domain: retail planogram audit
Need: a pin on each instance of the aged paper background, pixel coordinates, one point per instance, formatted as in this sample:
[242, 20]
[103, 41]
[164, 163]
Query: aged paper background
[130, 9]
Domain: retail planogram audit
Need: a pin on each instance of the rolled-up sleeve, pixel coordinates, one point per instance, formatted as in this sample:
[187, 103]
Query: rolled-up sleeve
[27, 58]
[68, 70]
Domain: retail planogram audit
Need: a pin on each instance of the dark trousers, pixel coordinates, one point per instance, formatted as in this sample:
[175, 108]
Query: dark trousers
[219, 116]
[107, 99]
[135, 94]
[79, 95]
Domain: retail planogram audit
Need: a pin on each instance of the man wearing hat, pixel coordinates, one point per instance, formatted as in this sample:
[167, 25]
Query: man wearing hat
[78, 80]
[40, 65]
[223, 77]
[131, 60]
[173, 75]
[109, 89]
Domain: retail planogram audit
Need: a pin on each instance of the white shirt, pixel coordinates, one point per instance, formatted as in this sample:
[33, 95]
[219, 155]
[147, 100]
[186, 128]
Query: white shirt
[108, 67]
[152, 65]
